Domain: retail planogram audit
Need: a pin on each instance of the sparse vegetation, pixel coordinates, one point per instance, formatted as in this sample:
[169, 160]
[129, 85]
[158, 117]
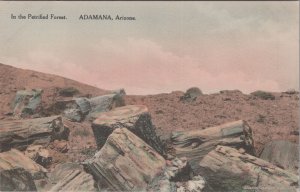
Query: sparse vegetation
[68, 91]
[263, 95]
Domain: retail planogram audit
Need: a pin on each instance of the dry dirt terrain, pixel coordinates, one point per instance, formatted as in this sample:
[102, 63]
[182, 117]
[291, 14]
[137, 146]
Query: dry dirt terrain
[272, 118]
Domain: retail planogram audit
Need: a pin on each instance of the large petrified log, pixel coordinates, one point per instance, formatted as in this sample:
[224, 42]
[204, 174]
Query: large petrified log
[71, 177]
[17, 179]
[282, 153]
[228, 169]
[195, 144]
[125, 163]
[27, 102]
[21, 133]
[16, 159]
[77, 109]
[135, 118]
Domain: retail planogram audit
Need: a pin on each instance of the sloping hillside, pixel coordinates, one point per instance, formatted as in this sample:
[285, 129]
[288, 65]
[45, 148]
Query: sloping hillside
[13, 79]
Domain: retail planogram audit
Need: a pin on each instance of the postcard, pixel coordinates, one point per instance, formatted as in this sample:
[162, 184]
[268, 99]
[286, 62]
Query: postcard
[172, 96]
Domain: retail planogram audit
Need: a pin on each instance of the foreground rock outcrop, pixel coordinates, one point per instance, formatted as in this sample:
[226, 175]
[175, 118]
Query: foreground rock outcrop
[195, 144]
[21, 133]
[125, 163]
[135, 118]
[229, 169]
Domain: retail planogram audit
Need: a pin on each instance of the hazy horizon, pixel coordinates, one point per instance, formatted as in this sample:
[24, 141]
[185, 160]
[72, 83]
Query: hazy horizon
[171, 46]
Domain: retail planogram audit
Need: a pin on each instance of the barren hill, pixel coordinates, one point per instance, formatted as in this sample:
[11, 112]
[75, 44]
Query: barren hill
[13, 79]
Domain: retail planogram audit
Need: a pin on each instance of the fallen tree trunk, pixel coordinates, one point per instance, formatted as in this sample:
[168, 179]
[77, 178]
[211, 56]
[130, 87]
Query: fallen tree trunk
[13, 159]
[21, 133]
[228, 169]
[125, 163]
[196, 144]
[135, 118]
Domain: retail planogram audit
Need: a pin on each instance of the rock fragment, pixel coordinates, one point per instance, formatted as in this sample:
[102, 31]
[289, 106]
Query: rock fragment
[22, 133]
[26, 102]
[226, 169]
[135, 118]
[283, 154]
[125, 163]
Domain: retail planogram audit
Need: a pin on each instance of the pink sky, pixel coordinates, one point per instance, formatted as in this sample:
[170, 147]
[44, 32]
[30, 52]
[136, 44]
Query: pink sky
[215, 46]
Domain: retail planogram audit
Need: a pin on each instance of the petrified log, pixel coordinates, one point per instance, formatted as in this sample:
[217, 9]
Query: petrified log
[27, 102]
[283, 154]
[195, 144]
[17, 179]
[76, 109]
[105, 103]
[135, 118]
[21, 133]
[16, 159]
[71, 177]
[228, 169]
[125, 163]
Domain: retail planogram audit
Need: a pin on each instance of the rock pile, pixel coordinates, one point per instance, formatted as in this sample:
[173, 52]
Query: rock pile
[131, 157]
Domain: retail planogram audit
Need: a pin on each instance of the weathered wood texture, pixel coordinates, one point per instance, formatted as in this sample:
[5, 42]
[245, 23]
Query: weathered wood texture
[21, 133]
[135, 118]
[17, 179]
[228, 169]
[16, 159]
[284, 154]
[71, 177]
[195, 144]
[125, 163]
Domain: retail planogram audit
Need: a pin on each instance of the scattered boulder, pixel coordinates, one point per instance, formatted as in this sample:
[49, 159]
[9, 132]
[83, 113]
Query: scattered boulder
[27, 102]
[16, 159]
[125, 163]
[191, 94]
[17, 179]
[135, 118]
[195, 144]
[228, 169]
[283, 154]
[39, 154]
[22, 133]
[263, 95]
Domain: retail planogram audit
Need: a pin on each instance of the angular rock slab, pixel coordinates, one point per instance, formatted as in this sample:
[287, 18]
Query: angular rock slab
[228, 169]
[282, 153]
[16, 159]
[21, 133]
[125, 163]
[71, 177]
[195, 144]
[135, 118]
[17, 179]
[27, 102]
